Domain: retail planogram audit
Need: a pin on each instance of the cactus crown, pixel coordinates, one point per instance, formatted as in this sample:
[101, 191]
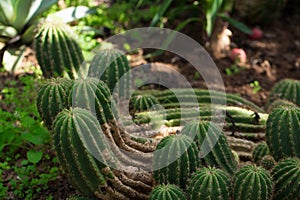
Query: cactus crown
[141, 103]
[282, 132]
[209, 183]
[252, 182]
[167, 192]
[260, 151]
[286, 176]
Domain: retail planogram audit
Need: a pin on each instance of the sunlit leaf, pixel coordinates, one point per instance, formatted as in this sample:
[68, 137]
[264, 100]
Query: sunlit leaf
[34, 156]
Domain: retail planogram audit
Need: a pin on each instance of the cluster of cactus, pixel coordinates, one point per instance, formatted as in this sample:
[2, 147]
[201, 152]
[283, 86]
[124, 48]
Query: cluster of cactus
[282, 132]
[286, 89]
[167, 192]
[57, 50]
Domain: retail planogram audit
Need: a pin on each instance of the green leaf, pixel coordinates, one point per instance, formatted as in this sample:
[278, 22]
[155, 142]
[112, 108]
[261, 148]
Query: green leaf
[34, 156]
[161, 12]
[6, 11]
[8, 31]
[213, 8]
[239, 25]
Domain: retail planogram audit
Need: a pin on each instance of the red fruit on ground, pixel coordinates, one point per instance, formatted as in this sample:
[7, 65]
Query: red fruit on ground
[238, 55]
[256, 33]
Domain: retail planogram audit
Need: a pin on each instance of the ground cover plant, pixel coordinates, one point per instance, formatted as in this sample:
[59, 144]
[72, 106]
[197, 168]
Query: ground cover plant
[60, 132]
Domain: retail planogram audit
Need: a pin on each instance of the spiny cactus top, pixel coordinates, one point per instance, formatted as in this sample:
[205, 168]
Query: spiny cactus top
[286, 176]
[209, 183]
[111, 66]
[260, 151]
[283, 132]
[52, 98]
[141, 103]
[287, 89]
[167, 192]
[219, 153]
[252, 183]
[279, 103]
[175, 158]
[57, 50]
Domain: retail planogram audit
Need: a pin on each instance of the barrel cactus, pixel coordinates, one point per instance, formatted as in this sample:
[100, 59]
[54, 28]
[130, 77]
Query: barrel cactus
[267, 162]
[141, 103]
[57, 50]
[112, 67]
[286, 89]
[286, 176]
[52, 98]
[283, 132]
[181, 153]
[209, 183]
[167, 192]
[220, 154]
[260, 151]
[279, 103]
[252, 183]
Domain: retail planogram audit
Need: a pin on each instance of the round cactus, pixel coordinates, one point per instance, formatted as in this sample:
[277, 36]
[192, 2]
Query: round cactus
[181, 153]
[82, 168]
[267, 162]
[260, 151]
[287, 89]
[286, 176]
[252, 183]
[220, 154]
[112, 67]
[141, 103]
[52, 98]
[167, 192]
[93, 94]
[209, 183]
[279, 103]
[282, 132]
[57, 50]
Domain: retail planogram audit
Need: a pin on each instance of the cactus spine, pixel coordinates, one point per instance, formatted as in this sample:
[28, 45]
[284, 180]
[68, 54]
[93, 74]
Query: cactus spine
[57, 51]
[52, 98]
[286, 176]
[286, 89]
[282, 133]
[209, 183]
[167, 192]
[260, 151]
[112, 67]
[252, 183]
[181, 153]
[220, 154]
[267, 162]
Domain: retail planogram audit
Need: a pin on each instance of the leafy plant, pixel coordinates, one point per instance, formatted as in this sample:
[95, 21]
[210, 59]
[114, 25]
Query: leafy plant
[255, 86]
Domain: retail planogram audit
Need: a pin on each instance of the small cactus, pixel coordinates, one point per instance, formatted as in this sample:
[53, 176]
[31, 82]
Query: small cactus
[260, 151]
[279, 103]
[267, 162]
[209, 183]
[181, 153]
[52, 98]
[286, 89]
[220, 154]
[57, 50]
[112, 67]
[167, 192]
[252, 183]
[141, 103]
[282, 132]
[286, 176]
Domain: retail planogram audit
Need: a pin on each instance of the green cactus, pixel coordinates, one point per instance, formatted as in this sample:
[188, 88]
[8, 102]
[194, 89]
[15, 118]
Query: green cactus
[181, 153]
[57, 50]
[282, 132]
[286, 89]
[267, 162]
[82, 168]
[110, 65]
[93, 94]
[220, 154]
[167, 192]
[78, 197]
[252, 183]
[279, 103]
[209, 183]
[286, 177]
[52, 98]
[141, 103]
[260, 151]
